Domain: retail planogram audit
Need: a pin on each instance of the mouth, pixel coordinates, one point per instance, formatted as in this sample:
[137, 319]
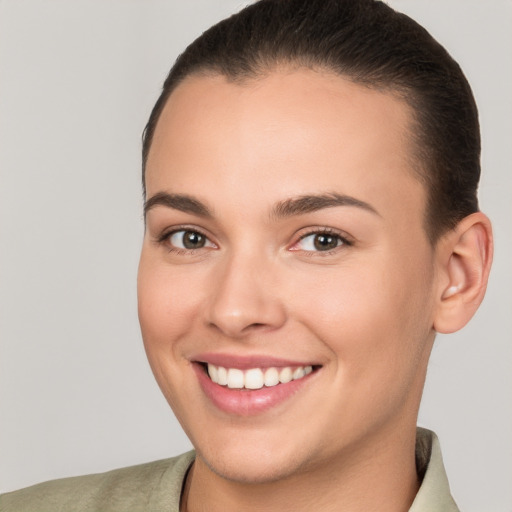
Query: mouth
[255, 378]
[246, 388]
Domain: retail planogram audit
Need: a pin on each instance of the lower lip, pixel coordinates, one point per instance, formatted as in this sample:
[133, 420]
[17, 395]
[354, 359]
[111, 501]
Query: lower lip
[247, 402]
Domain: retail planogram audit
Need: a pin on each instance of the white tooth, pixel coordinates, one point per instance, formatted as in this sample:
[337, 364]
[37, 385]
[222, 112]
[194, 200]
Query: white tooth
[271, 377]
[285, 375]
[308, 369]
[254, 378]
[298, 373]
[235, 378]
[222, 376]
[212, 372]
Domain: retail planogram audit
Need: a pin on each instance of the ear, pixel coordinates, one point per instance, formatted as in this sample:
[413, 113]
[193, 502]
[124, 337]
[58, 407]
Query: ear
[464, 258]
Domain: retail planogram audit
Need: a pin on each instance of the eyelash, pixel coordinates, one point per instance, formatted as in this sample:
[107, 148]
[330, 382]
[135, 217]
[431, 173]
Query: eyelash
[343, 238]
[164, 239]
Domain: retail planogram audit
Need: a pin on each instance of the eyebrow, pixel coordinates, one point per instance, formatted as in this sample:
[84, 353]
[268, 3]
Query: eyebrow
[289, 207]
[181, 202]
[312, 203]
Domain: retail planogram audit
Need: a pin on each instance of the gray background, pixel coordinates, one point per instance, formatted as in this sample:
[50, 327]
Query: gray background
[77, 81]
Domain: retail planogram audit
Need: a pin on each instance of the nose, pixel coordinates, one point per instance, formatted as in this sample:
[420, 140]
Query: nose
[245, 298]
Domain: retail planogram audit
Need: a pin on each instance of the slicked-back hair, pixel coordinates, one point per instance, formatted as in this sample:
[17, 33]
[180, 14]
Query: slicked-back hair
[369, 43]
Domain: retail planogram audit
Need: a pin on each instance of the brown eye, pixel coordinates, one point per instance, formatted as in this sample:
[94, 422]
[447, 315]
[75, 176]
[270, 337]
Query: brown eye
[193, 240]
[185, 239]
[326, 242]
[321, 242]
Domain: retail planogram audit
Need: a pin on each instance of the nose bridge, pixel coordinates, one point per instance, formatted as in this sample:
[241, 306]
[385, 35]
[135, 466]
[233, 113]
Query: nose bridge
[244, 298]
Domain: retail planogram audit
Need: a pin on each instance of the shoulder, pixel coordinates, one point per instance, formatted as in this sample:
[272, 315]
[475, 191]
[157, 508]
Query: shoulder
[153, 486]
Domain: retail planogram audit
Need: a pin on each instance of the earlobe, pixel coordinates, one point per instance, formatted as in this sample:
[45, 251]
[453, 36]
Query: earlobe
[465, 261]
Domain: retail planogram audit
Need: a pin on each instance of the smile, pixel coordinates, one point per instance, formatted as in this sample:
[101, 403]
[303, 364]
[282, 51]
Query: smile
[247, 386]
[256, 378]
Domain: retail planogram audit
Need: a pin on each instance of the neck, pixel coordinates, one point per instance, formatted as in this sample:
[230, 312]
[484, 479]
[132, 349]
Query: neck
[381, 476]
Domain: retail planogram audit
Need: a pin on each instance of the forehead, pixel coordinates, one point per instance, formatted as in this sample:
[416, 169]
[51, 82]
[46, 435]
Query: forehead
[291, 130]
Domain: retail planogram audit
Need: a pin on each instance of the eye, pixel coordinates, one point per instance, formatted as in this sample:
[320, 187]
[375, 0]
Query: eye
[320, 242]
[188, 239]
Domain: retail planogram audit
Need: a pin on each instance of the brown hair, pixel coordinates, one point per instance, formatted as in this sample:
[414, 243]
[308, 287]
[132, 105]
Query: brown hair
[371, 44]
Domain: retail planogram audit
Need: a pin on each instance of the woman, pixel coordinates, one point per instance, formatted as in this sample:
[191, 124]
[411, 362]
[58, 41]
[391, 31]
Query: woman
[310, 173]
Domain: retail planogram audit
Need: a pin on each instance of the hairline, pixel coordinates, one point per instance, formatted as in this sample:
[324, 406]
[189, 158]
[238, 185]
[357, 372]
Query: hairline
[418, 151]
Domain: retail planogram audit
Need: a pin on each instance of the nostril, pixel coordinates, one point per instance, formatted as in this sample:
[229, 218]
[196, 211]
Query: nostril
[255, 326]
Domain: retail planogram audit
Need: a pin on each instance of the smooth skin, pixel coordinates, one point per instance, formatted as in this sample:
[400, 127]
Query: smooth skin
[364, 309]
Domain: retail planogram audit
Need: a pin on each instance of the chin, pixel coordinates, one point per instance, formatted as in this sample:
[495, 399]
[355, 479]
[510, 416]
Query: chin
[254, 464]
[247, 471]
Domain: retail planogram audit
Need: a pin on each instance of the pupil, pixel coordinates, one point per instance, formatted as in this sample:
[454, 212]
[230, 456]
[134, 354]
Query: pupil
[325, 242]
[193, 240]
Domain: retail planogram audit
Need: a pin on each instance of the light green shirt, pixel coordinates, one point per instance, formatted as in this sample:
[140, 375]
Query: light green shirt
[156, 487]
[434, 493]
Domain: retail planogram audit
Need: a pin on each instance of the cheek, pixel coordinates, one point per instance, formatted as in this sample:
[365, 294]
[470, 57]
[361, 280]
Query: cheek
[166, 313]
[167, 302]
[372, 316]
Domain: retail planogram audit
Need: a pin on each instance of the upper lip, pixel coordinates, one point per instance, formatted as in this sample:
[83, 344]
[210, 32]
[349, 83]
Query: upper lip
[248, 361]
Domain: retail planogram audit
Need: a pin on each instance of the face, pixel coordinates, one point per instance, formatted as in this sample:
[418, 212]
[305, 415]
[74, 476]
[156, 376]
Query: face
[285, 283]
